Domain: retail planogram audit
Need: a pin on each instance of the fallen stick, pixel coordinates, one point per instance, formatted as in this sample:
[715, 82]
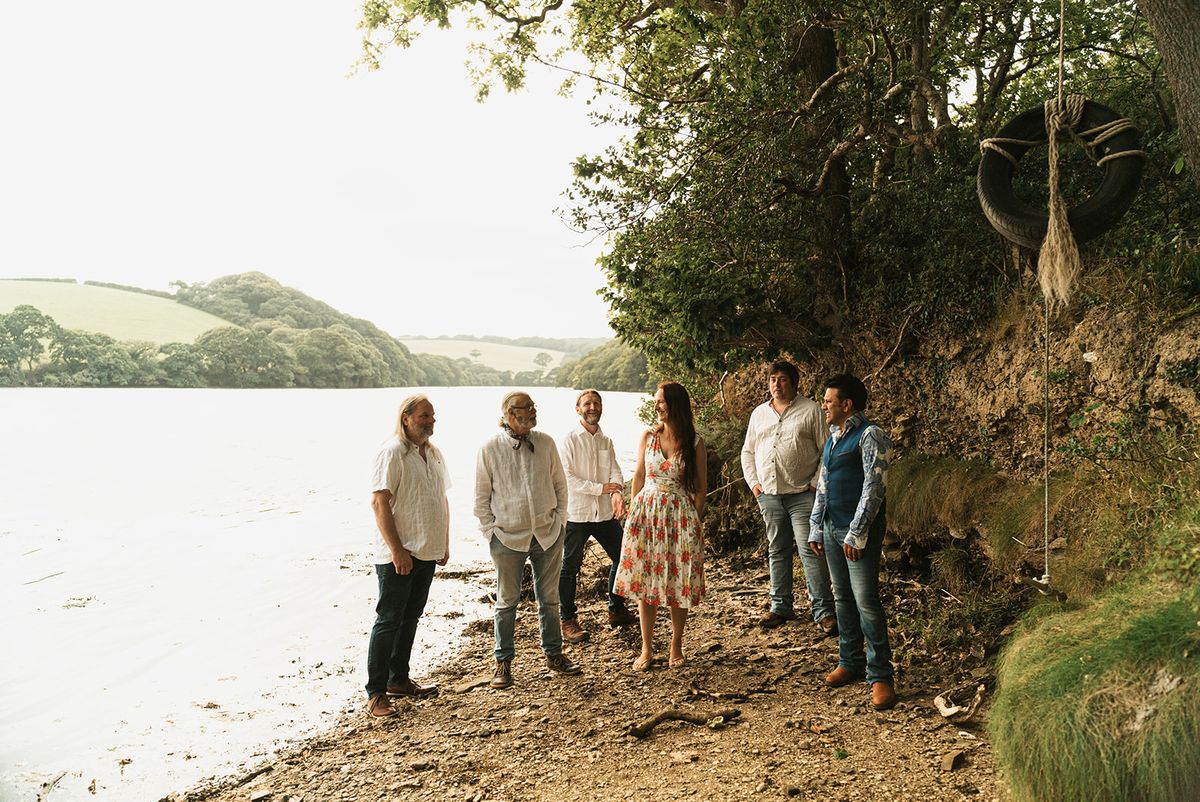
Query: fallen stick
[675, 714]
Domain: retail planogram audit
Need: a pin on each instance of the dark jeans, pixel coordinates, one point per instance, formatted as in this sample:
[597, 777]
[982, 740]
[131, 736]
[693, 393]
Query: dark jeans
[608, 535]
[401, 602]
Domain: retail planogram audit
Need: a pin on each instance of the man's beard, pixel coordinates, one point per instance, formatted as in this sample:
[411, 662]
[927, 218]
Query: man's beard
[592, 417]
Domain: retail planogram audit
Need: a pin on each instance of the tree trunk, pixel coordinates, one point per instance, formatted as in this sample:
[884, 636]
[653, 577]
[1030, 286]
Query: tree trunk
[1176, 27]
[818, 61]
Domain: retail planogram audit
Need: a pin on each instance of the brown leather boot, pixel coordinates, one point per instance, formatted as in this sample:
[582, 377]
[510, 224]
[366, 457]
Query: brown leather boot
[503, 676]
[772, 619]
[883, 695]
[840, 677]
[621, 618]
[378, 706]
[573, 633]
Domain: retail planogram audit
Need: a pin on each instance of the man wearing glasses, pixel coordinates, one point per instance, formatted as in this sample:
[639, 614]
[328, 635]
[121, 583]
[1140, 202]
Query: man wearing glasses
[521, 504]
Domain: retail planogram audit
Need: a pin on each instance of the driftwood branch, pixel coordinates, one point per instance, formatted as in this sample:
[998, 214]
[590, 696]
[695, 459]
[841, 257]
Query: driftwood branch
[644, 728]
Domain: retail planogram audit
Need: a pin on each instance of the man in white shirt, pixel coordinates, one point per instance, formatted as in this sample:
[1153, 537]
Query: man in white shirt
[781, 458]
[408, 497]
[521, 504]
[595, 504]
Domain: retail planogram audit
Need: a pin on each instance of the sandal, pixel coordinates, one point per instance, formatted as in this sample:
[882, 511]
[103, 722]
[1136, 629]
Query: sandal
[379, 702]
[678, 662]
[642, 663]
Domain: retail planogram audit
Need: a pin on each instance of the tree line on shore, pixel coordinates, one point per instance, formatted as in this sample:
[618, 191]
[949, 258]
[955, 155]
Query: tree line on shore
[278, 337]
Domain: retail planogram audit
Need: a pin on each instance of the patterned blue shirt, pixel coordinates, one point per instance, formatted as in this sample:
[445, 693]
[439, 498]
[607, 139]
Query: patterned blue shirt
[876, 449]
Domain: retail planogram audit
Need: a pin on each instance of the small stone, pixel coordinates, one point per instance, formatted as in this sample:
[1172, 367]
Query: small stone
[757, 657]
[422, 765]
[262, 793]
[470, 685]
[953, 760]
[710, 647]
[684, 757]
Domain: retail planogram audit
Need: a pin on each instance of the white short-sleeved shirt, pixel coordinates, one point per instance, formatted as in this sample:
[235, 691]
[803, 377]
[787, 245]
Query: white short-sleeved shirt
[418, 487]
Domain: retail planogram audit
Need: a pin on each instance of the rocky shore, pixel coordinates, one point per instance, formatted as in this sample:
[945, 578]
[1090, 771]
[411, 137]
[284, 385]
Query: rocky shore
[766, 726]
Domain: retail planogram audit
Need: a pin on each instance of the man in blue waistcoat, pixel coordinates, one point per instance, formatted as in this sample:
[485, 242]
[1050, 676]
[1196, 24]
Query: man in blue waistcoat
[847, 525]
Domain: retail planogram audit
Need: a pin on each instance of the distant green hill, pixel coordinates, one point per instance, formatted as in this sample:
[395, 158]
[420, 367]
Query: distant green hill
[121, 314]
[248, 330]
[495, 355]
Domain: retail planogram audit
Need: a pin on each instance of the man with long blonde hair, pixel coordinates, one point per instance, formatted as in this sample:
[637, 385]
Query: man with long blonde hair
[412, 516]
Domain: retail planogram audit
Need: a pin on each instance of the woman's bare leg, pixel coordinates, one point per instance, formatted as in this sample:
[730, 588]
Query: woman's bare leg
[646, 616]
[678, 623]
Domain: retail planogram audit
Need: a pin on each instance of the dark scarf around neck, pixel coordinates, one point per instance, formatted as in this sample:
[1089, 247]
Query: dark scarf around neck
[518, 439]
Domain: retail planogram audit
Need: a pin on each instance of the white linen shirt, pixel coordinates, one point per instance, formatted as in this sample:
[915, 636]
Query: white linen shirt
[520, 494]
[418, 488]
[783, 452]
[590, 462]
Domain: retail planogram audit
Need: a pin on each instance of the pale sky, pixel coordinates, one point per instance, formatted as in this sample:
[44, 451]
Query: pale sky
[144, 142]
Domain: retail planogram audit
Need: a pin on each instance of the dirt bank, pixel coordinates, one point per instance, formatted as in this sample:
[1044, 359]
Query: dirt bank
[552, 737]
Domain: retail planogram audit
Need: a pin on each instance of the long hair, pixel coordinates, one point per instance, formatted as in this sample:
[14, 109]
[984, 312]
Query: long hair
[679, 421]
[407, 407]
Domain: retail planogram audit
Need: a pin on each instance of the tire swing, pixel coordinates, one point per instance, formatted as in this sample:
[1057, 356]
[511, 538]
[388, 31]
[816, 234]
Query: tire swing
[1112, 143]
[1108, 138]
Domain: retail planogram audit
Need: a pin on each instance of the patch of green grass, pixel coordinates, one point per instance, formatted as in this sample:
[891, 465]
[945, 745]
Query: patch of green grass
[1098, 700]
[500, 356]
[120, 314]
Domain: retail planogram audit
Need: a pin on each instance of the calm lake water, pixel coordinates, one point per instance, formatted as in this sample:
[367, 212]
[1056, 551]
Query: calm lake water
[185, 575]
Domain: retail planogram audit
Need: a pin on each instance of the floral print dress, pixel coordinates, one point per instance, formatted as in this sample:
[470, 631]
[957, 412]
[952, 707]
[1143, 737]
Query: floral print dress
[662, 553]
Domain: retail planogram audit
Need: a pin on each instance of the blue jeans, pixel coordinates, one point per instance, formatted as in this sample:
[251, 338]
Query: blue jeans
[510, 566]
[401, 601]
[786, 519]
[860, 613]
[608, 535]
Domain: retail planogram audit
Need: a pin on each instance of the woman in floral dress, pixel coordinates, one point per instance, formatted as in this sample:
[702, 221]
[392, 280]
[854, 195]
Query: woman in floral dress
[662, 554]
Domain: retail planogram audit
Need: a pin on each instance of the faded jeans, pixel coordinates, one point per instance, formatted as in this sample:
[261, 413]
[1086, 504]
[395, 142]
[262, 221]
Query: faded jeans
[608, 534]
[860, 613]
[786, 519]
[510, 566]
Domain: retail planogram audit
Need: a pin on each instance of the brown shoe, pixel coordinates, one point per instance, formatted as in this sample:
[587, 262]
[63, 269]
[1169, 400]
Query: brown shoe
[883, 695]
[503, 676]
[828, 625]
[378, 706]
[562, 664]
[573, 633]
[841, 677]
[773, 619]
[621, 618]
[411, 689]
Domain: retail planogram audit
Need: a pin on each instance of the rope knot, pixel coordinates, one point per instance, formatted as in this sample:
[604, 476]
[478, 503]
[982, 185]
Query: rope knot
[1059, 263]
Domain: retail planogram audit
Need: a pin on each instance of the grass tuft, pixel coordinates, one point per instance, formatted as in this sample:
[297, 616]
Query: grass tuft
[1100, 700]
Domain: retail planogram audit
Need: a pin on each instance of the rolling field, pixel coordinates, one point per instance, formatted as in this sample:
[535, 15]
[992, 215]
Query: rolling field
[120, 314]
[495, 355]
